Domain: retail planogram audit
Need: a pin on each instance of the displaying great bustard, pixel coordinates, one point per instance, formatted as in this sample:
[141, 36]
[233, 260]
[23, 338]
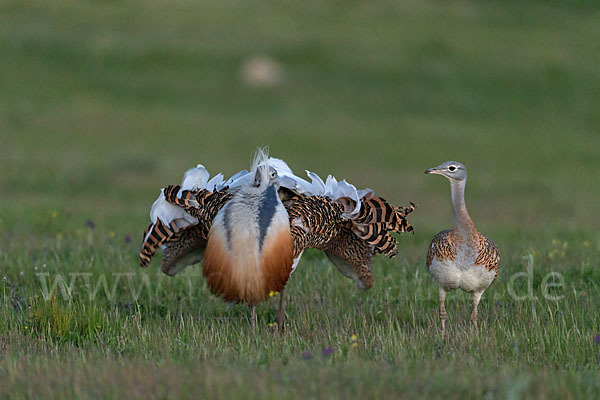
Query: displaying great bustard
[461, 258]
[250, 231]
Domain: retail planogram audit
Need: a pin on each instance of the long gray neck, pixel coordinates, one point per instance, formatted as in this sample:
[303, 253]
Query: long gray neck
[463, 225]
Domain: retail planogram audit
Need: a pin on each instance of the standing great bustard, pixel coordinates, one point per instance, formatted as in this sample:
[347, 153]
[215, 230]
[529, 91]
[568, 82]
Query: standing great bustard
[461, 258]
[241, 229]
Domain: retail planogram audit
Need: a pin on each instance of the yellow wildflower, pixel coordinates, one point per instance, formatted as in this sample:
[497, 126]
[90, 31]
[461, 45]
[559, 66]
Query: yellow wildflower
[353, 341]
[586, 244]
[54, 214]
[273, 293]
[111, 234]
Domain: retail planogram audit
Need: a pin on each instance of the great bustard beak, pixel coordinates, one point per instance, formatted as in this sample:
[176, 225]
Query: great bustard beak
[434, 170]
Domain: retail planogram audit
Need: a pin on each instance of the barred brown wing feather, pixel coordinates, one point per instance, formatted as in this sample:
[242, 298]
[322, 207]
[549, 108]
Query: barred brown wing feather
[375, 210]
[376, 219]
[154, 236]
[200, 204]
[146, 251]
[387, 246]
[191, 201]
[347, 204]
[401, 214]
[405, 211]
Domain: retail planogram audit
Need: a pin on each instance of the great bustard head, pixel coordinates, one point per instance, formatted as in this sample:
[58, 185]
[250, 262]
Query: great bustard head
[264, 174]
[452, 170]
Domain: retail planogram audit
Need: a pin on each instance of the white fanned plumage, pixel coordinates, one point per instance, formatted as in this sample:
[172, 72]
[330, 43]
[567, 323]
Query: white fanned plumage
[199, 178]
[331, 188]
[193, 179]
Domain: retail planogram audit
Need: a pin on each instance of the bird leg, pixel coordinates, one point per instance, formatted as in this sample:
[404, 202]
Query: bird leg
[253, 316]
[474, 316]
[280, 318]
[443, 315]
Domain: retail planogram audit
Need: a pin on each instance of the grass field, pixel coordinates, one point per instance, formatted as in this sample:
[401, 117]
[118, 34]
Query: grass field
[102, 103]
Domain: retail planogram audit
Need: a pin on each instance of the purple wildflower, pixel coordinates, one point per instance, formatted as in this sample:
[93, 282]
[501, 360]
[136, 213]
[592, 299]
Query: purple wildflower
[127, 238]
[90, 224]
[306, 355]
[327, 351]
[597, 339]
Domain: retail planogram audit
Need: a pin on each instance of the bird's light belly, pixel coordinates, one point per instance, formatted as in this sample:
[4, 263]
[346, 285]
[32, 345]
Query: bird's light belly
[466, 276]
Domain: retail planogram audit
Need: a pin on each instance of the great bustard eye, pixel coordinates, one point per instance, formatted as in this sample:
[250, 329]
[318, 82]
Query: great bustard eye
[452, 168]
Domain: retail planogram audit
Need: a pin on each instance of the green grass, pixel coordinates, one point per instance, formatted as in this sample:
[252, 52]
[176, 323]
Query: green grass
[104, 102]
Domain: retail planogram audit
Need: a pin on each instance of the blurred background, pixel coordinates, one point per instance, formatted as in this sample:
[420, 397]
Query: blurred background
[102, 103]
